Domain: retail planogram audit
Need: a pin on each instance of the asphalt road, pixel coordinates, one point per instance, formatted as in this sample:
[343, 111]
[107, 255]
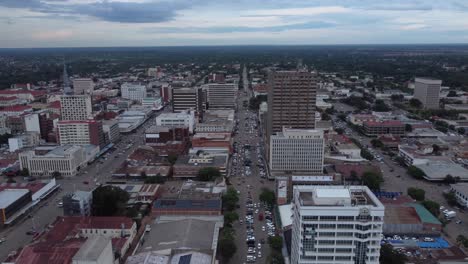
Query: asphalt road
[248, 135]
[47, 210]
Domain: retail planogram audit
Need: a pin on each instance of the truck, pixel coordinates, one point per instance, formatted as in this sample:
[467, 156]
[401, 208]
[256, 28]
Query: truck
[450, 214]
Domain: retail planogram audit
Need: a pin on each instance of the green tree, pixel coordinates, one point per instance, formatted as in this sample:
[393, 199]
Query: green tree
[325, 117]
[408, 128]
[230, 199]
[415, 103]
[4, 138]
[376, 143]
[276, 242]
[416, 172]
[390, 256]
[432, 207]
[366, 154]
[380, 106]
[340, 131]
[230, 217]
[267, 196]
[461, 130]
[24, 172]
[275, 257]
[56, 175]
[452, 93]
[172, 158]
[109, 201]
[451, 198]
[208, 174]
[435, 149]
[227, 248]
[449, 179]
[417, 194]
[372, 179]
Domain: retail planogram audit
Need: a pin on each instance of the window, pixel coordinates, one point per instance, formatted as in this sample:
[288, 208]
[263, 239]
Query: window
[345, 218]
[328, 218]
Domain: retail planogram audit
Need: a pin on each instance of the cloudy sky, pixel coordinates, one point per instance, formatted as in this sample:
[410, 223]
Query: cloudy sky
[85, 23]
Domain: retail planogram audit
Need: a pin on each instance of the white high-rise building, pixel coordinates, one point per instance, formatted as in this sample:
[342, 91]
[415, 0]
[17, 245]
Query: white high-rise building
[336, 224]
[83, 86]
[136, 92]
[221, 95]
[75, 107]
[297, 150]
[427, 90]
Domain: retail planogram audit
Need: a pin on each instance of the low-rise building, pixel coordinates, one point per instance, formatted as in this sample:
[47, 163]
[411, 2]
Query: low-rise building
[12, 201]
[189, 165]
[438, 170]
[212, 143]
[360, 119]
[344, 146]
[461, 193]
[378, 128]
[221, 121]
[171, 120]
[27, 140]
[96, 250]
[67, 160]
[166, 141]
[78, 203]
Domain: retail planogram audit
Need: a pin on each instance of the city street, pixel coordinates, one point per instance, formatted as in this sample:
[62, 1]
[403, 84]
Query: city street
[47, 210]
[248, 185]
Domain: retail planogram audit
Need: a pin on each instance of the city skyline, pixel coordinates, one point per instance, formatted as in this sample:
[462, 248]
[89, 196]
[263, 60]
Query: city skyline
[92, 23]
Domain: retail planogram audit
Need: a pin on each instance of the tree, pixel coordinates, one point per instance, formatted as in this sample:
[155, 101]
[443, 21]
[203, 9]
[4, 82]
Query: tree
[380, 106]
[276, 242]
[24, 172]
[276, 258]
[451, 198]
[172, 158]
[452, 93]
[230, 217]
[435, 149]
[415, 103]
[227, 248]
[267, 196]
[325, 117]
[397, 97]
[56, 175]
[417, 194]
[109, 201]
[353, 175]
[208, 174]
[390, 256]
[340, 131]
[408, 128]
[372, 180]
[376, 143]
[230, 199]
[449, 179]
[432, 207]
[461, 130]
[366, 154]
[156, 179]
[416, 172]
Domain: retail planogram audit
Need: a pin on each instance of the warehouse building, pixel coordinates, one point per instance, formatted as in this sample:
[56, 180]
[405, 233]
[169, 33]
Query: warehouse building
[12, 201]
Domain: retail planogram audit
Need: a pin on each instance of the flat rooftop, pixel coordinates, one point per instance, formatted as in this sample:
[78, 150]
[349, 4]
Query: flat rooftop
[9, 196]
[92, 249]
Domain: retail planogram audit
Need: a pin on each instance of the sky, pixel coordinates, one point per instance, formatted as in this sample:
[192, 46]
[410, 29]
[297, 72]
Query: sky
[106, 23]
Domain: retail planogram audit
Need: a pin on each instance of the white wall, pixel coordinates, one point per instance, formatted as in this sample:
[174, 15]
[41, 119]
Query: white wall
[44, 189]
[32, 123]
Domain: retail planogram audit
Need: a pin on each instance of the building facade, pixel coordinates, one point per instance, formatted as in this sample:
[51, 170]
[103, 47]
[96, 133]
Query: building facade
[427, 90]
[291, 100]
[392, 127]
[76, 107]
[297, 150]
[111, 130]
[336, 224]
[135, 92]
[87, 132]
[184, 99]
[45, 161]
[186, 119]
[221, 96]
[83, 86]
[77, 204]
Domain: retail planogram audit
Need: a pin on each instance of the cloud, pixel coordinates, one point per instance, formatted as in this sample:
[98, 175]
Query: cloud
[52, 35]
[306, 11]
[414, 26]
[401, 7]
[231, 29]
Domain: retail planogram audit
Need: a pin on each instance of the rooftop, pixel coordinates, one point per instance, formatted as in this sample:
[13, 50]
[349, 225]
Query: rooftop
[184, 204]
[9, 196]
[461, 187]
[437, 170]
[92, 249]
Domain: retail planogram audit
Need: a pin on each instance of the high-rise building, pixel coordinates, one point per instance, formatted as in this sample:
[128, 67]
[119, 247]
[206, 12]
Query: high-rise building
[83, 86]
[82, 132]
[427, 91]
[291, 100]
[75, 107]
[221, 95]
[188, 99]
[336, 224]
[132, 91]
[297, 151]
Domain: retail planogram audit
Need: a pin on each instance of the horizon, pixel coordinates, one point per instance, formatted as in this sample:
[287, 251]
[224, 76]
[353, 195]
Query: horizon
[180, 23]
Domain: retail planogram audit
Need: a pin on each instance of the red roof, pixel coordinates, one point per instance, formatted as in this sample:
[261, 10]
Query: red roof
[33, 187]
[262, 88]
[16, 108]
[8, 98]
[54, 104]
[47, 253]
[33, 93]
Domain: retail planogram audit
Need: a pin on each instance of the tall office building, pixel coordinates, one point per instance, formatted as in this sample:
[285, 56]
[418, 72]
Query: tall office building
[336, 224]
[81, 133]
[83, 86]
[427, 91]
[221, 95]
[291, 100]
[75, 107]
[188, 99]
[136, 92]
[297, 151]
